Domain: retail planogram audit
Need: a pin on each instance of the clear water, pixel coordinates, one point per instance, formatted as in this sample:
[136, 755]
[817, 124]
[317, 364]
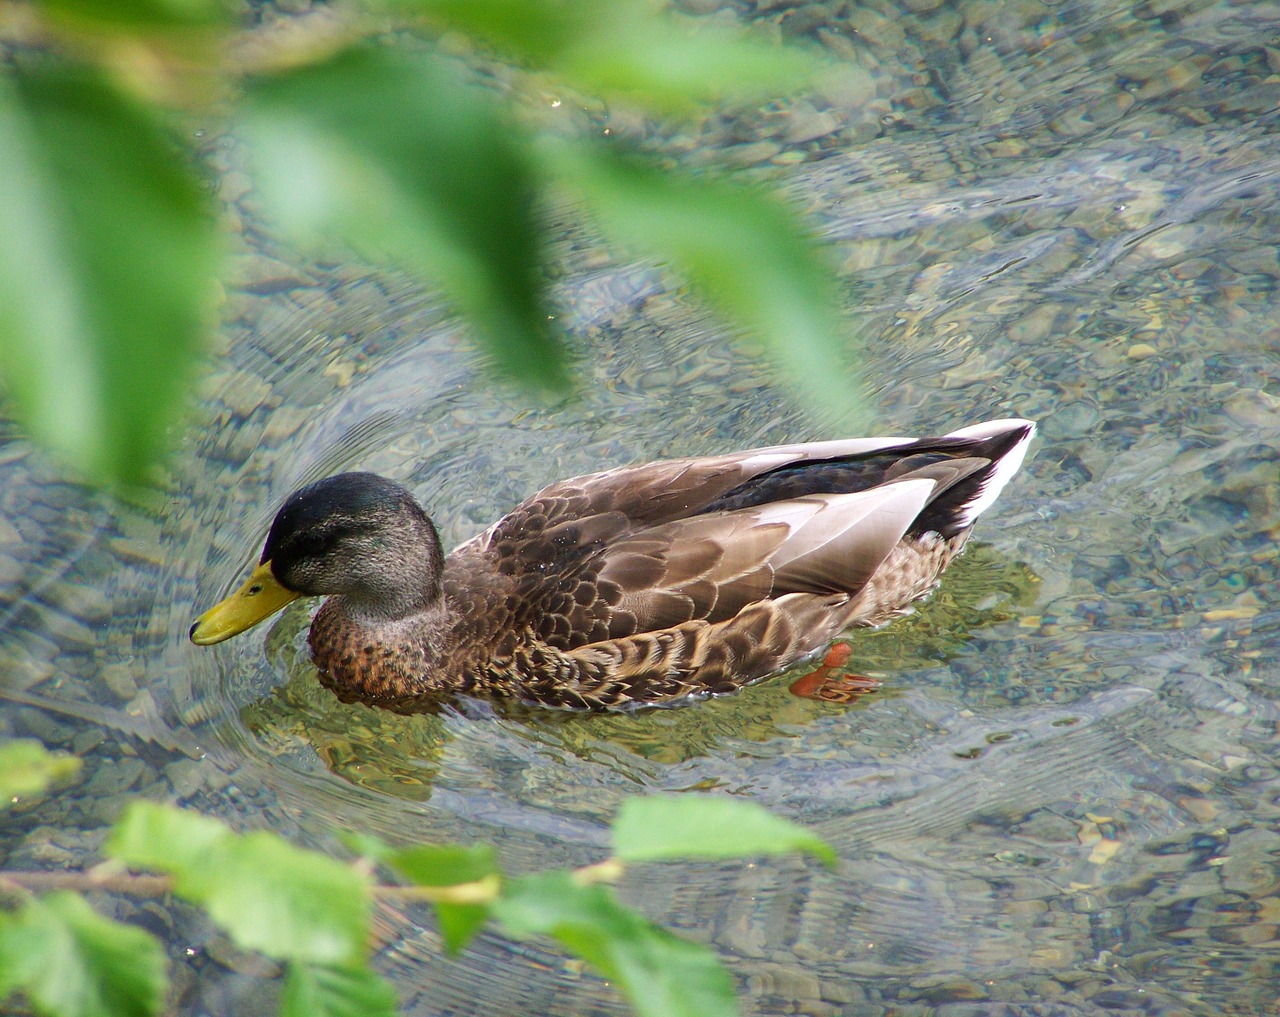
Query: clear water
[1065, 798]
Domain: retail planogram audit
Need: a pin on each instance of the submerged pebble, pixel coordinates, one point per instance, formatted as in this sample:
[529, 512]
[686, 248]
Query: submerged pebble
[1048, 210]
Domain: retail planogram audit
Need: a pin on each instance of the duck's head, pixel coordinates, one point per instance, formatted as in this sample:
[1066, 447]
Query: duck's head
[356, 535]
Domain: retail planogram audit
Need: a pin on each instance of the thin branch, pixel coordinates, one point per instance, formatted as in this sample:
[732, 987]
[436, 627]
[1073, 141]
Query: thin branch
[112, 882]
[481, 891]
[111, 879]
[608, 871]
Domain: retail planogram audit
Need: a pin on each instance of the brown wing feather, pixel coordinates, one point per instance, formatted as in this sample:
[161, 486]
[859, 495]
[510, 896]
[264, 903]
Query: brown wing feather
[822, 544]
[702, 568]
[653, 493]
[841, 547]
[649, 547]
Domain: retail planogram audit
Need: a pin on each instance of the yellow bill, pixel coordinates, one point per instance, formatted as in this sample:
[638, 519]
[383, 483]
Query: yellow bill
[260, 597]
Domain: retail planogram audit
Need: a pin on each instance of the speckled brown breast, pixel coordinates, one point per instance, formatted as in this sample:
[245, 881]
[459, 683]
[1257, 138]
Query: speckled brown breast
[691, 659]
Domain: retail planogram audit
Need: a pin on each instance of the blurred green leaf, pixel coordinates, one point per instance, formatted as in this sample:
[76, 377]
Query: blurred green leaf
[367, 845]
[699, 826]
[107, 256]
[671, 64]
[70, 961]
[458, 923]
[744, 250]
[176, 841]
[635, 47]
[269, 895]
[325, 990]
[139, 15]
[450, 865]
[284, 901]
[404, 158]
[531, 30]
[439, 865]
[661, 974]
[27, 768]
[445, 864]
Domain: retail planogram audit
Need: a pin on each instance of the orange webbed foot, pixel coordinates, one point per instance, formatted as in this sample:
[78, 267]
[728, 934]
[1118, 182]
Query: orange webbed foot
[829, 683]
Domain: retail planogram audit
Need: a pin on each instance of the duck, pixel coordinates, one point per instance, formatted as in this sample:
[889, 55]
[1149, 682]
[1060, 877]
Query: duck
[642, 585]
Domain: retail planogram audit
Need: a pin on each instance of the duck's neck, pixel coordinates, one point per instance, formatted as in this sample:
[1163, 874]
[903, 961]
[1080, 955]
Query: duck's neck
[398, 578]
[380, 657]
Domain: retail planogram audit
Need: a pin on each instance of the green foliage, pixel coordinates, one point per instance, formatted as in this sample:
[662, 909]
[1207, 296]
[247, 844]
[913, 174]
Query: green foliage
[405, 159]
[458, 923]
[451, 865]
[69, 961]
[687, 826]
[27, 768]
[107, 256]
[268, 895]
[109, 251]
[534, 31]
[474, 865]
[445, 864]
[632, 48]
[662, 975]
[325, 990]
[139, 15]
[313, 911]
[738, 245]
[667, 65]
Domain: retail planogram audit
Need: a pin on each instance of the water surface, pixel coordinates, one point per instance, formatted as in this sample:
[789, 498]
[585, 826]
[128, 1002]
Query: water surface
[1065, 797]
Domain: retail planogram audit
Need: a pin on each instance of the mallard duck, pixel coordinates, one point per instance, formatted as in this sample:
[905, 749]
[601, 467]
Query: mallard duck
[639, 585]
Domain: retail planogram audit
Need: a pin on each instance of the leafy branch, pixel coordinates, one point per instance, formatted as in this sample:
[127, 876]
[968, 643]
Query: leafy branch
[312, 911]
[429, 133]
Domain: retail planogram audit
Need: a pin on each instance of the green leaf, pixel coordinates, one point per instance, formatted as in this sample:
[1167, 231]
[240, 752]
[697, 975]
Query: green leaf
[629, 46]
[72, 962]
[269, 895]
[138, 14]
[439, 865]
[27, 768]
[459, 923]
[284, 901]
[325, 990]
[107, 251]
[661, 974]
[445, 864]
[366, 845]
[150, 836]
[744, 250]
[698, 826]
[532, 30]
[404, 158]
[671, 64]
[450, 865]
[428, 864]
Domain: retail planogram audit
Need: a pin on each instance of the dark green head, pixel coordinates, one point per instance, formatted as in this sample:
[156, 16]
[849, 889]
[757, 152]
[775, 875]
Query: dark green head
[357, 535]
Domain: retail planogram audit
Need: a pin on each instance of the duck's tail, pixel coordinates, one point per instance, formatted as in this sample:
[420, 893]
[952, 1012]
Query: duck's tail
[1003, 445]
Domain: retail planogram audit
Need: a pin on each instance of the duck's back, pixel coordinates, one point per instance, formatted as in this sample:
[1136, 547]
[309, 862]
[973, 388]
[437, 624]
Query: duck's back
[656, 570]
